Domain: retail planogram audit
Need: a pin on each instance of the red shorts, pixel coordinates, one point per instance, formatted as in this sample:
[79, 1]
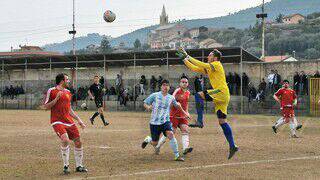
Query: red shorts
[178, 121]
[287, 112]
[72, 131]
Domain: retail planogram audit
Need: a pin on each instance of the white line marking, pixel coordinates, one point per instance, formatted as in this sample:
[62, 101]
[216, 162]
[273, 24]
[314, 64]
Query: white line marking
[202, 167]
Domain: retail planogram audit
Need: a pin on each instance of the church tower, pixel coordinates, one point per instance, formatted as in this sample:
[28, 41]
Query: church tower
[164, 17]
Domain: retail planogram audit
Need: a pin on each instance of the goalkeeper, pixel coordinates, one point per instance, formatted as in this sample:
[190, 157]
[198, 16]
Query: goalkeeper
[219, 94]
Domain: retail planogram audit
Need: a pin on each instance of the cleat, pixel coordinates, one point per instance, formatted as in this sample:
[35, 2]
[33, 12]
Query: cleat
[91, 120]
[145, 142]
[81, 169]
[195, 126]
[157, 150]
[66, 170]
[299, 127]
[233, 151]
[179, 158]
[294, 136]
[106, 123]
[187, 150]
[274, 129]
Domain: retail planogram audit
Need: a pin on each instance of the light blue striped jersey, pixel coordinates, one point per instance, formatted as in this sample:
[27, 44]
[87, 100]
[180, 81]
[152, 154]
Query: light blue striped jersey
[160, 107]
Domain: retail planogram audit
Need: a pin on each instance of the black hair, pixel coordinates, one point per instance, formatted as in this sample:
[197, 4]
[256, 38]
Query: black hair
[286, 81]
[60, 77]
[217, 53]
[164, 82]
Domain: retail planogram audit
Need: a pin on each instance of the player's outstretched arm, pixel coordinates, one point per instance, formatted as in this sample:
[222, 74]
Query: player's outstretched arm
[178, 105]
[198, 63]
[76, 117]
[194, 68]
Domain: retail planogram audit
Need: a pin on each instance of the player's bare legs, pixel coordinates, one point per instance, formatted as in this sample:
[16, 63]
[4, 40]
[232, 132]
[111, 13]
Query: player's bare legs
[279, 123]
[78, 155]
[65, 152]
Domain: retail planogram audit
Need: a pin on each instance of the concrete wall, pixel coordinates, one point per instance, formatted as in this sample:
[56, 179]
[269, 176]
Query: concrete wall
[39, 80]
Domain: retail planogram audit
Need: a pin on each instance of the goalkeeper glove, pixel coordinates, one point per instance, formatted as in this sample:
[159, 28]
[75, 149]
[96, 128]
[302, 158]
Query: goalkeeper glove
[182, 53]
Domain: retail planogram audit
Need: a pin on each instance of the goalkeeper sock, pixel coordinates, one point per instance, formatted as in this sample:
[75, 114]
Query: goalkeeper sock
[228, 134]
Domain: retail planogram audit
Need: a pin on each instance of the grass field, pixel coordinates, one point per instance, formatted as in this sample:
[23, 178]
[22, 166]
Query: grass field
[29, 149]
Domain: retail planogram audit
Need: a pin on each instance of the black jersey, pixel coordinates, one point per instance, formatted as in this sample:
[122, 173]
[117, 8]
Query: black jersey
[96, 90]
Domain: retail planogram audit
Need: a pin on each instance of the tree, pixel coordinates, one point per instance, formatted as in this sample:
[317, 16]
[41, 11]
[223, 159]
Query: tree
[137, 44]
[312, 53]
[105, 46]
[146, 46]
[279, 18]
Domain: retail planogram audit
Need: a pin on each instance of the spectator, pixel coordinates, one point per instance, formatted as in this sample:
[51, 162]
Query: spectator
[261, 90]
[202, 82]
[252, 92]
[143, 83]
[245, 83]
[230, 81]
[11, 92]
[271, 80]
[303, 83]
[113, 91]
[159, 82]
[237, 83]
[118, 84]
[276, 80]
[153, 84]
[296, 82]
[101, 81]
[197, 84]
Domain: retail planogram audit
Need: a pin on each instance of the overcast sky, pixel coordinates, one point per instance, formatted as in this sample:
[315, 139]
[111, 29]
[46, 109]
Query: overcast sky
[40, 22]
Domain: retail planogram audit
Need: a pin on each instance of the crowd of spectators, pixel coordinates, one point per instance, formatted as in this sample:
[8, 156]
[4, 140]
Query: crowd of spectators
[12, 92]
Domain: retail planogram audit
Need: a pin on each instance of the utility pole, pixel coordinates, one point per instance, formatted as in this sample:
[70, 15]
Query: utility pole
[263, 17]
[73, 32]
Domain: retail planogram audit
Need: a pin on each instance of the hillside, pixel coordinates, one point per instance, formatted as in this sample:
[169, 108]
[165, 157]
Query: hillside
[242, 19]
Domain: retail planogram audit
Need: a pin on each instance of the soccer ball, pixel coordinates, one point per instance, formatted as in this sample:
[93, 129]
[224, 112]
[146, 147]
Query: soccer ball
[109, 16]
[84, 106]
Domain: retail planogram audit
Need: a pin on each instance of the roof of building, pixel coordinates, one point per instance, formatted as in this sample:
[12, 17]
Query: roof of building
[28, 54]
[275, 58]
[291, 15]
[143, 58]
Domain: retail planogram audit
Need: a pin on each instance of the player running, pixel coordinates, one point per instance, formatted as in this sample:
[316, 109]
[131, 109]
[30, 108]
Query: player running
[219, 94]
[178, 119]
[96, 92]
[287, 99]
[58, 100]
[160, 103]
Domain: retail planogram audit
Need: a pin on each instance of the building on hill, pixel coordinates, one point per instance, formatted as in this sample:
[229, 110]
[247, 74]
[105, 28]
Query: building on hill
[293, 19]
[196, 32]
[163, 35]
[276, 59]
[28, 51]
[209, 43]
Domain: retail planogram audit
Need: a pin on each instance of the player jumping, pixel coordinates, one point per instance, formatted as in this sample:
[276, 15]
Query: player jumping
[219, 94]
[287, 99]
[160, 103]
[58, 100]
[178, 119]
[96, 92]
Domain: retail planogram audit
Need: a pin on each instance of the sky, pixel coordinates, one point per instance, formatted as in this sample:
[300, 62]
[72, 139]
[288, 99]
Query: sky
[40, 22]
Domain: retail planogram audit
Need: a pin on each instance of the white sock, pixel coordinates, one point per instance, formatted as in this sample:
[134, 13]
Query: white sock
[295, 121]
[292, 128]
[148, 139]
[161, 141]
[280, 122]
[78, 156]
[185, 140]
[65, 155]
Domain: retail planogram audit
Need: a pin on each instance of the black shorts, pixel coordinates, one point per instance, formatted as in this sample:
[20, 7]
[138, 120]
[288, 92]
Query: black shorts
[99, 102]
[156, 130]
[207, 96]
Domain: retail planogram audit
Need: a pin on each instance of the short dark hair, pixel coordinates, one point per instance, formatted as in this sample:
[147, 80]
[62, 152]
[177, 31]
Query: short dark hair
[96, 76]
[60, 77]
[217, 53]
[286, 81]
[164, 82]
